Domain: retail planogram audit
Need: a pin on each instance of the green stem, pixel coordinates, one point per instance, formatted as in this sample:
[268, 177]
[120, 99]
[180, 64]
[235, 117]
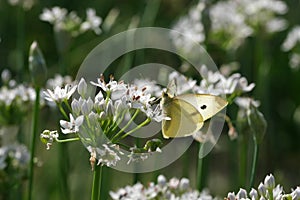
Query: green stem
[126, 126]
[136, 128]
[62, 111]
[33, 138]
[63, 163]
[199, 182]
[242, 160]
[254, 161]
[96, 192]
[68, 140]
[270, 191]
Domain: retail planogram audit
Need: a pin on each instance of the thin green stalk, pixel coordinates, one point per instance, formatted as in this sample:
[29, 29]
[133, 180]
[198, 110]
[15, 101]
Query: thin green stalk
[126, 126]
[68, 140]
[136, 128]
[63, 170]
[33, 138]
[96, 188]
[254, 161]
[242, 160]
[199, 180]
[63, 111]
[20, 40]
[136, 176]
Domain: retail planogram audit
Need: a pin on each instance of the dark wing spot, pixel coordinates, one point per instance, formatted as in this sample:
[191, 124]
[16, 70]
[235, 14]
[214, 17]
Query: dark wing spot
[203, 107]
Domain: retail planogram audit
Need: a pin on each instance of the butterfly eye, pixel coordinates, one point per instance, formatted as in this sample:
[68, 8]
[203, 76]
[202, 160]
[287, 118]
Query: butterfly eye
[203, 107]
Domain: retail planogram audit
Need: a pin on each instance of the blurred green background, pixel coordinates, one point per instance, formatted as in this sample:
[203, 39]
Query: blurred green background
[261, 61]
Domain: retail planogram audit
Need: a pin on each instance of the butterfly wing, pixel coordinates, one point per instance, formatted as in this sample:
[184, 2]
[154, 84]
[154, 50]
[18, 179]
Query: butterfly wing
[185, 119]
[207, 105]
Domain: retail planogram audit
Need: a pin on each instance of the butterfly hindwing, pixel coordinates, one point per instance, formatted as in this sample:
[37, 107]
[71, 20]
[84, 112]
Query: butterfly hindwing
[185, 119]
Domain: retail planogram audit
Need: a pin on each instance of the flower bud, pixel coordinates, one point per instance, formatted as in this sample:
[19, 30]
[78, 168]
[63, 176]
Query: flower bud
[82, 87]
[5, 76]
[253, 194]
[161, 180]
[270, 181]
[242, 194]
[262, 189]
[296, 194]
[184, 184]
[231, 196]
[76, 107]
[37, 65]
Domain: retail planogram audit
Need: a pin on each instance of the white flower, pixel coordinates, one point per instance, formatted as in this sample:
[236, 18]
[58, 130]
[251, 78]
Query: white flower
[54, 15]
[72, 126]
[276, 25]
[242, 194]
[87, 106]
[296, 194]
[92, 22]
[262, 190]
[116, 89]
[168, 190]
[292, 39]
[190, 29]
[246, 102]
[82, 87]
[253, 194]
[277, 191]
[59, 80]
[294, 61]
[18, 155]
[148, 86]
[59, 94]
[161, 180]
[49, 137]
[269, 181]
[5, 75]
[226, 18]
[183, 84]
[107, 155]
[184, 184]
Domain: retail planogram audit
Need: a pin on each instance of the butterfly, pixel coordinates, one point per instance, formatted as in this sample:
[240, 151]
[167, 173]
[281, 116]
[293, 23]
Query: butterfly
[186, 113]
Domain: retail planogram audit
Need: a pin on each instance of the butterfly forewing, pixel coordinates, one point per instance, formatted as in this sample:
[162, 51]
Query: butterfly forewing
[207, 105]
[185, 119]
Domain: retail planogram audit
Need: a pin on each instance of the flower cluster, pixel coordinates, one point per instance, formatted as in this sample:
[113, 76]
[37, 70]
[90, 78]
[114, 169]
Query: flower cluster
[266, 190]
[14, 157]
[15, 99]
[233, 21]
[71, 22]
[178, 189]
[191, 27]
[105, 119]
[218, 84]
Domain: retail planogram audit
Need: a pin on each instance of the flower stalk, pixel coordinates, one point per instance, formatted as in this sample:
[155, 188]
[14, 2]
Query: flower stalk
[32, 143]
[96, 188]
